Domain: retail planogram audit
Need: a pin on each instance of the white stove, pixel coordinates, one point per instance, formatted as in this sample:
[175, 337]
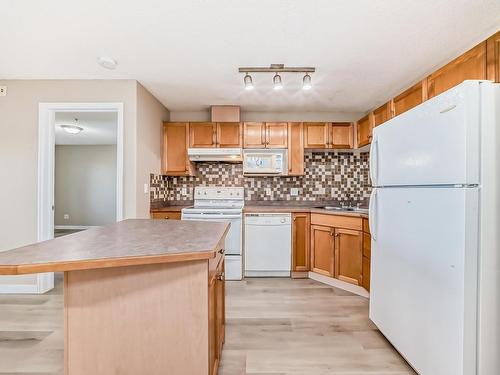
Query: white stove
[222, 204]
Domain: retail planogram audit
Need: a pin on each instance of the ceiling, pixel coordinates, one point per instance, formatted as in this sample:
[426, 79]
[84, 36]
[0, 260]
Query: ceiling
[99, 128]
[187, 53]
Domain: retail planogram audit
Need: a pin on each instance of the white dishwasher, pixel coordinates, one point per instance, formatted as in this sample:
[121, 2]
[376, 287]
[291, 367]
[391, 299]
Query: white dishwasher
[268, 244]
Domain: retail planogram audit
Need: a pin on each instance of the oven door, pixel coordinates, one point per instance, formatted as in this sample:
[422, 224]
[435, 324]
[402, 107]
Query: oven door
[233, 243]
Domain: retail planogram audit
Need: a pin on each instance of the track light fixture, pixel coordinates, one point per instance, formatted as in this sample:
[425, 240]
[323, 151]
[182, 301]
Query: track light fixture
[306, 82]
[248, 82]
[277, 84]
[277, 80]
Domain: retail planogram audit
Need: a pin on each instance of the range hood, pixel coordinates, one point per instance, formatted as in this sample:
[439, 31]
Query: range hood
[229, 155]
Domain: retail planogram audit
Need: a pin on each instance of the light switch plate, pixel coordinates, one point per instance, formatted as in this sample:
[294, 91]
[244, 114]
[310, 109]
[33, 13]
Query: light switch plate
[66, 217]
[184, 191]
[146, 188]
[294, 192]
[3, 90]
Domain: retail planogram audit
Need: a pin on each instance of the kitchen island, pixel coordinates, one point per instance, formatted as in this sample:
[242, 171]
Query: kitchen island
[140, 296]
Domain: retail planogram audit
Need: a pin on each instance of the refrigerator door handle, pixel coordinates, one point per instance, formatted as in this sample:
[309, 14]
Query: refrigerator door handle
[374, 161]
[372, 214]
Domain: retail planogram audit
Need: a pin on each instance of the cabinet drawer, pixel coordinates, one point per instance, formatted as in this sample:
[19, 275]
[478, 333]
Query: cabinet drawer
[337, 221]
[169, 215]
[367, 245]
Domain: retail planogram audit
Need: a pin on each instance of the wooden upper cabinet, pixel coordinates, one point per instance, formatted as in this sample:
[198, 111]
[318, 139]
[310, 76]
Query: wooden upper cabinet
[254, 135]
[364, 131]
[175, 161]
[348, 255]
[470, 65]
[265, 134]
[382, 114]
[342, 135]
[202, 134]
[229, 135]
[316, 134]
[276, 134]
[295, 149]
[322, 250]
[300, 242]
[410, 98]
[493, 57]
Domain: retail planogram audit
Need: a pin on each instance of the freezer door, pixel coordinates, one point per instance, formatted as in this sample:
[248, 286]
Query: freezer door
[424, 275]
[436, 143]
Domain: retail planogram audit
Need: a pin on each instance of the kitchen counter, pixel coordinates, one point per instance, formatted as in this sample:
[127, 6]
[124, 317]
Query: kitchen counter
[129, 242]
[271, 206]
[133, 289]
[287, 206]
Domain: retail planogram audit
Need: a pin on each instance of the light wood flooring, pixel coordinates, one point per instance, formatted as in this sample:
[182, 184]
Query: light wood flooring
[273, 326]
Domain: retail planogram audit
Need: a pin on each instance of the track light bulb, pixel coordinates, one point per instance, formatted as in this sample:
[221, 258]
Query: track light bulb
[277, 83]
[306, 82]
[248, 82]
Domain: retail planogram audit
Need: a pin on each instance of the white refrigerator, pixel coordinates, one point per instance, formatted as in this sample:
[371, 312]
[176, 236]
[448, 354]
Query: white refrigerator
[434, 219]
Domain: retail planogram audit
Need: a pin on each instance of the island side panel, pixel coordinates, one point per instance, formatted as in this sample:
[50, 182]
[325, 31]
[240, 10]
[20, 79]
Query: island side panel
[148, 319]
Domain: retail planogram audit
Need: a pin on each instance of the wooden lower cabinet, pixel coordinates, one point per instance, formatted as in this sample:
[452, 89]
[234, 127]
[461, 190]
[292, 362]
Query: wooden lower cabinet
[300, 242]
[367, 253]
[216, 317]
[322, 250]
[348, 255]
[167, 215]
[366, 273]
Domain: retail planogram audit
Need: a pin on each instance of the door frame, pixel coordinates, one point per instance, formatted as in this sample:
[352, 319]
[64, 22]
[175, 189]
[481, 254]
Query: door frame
[46, 166]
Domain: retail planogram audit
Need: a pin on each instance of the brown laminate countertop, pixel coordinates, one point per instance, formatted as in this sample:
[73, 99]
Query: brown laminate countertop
[126, 243]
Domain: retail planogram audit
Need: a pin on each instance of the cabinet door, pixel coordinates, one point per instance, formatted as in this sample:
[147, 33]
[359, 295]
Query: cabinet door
[316, 134]
[300, 242]
[364, 131]
[382, 114]
[366, 273]
[175, 161]
[276, 135]
[212, 327]
[254, 135]
[295, 149]
[348, 255]
[202, 134]
[342, 135]
[410, 98]
[322, 250]
[493, 57]
[470, 65]
[221, 308]
[229, 135]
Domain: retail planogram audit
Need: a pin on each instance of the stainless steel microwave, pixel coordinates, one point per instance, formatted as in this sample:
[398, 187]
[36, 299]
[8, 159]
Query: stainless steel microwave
[265, 162]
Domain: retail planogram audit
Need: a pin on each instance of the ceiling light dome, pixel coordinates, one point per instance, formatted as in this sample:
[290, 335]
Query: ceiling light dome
[248, 82]
[277, 83]
[306, 82]
[72, 129]
[107, 62]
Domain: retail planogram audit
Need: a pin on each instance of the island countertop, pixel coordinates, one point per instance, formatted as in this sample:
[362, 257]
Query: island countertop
[126, 243]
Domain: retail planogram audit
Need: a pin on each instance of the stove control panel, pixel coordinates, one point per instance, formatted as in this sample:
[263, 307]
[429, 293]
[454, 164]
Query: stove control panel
[225, 193]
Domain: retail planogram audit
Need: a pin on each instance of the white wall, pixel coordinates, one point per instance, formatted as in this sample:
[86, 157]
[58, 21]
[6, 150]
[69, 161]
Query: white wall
[85, 184]
[271, 116]
[150, 116]
[19, 148]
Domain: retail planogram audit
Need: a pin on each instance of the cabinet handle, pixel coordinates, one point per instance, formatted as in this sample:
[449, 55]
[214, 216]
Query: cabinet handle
[220, 277]
[167, 217]
[221, 251]
[332, 232]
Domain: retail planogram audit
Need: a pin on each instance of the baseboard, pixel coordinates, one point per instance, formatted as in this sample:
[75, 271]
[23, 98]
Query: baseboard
[360, 291]
[300, 274]
[267, 273]
[74, 227]
[44, 283]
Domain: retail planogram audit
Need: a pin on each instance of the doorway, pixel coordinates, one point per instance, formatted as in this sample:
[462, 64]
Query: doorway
[51, 117]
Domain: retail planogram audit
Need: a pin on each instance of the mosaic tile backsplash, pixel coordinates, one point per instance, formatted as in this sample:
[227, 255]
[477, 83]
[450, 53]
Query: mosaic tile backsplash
[327, 176]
